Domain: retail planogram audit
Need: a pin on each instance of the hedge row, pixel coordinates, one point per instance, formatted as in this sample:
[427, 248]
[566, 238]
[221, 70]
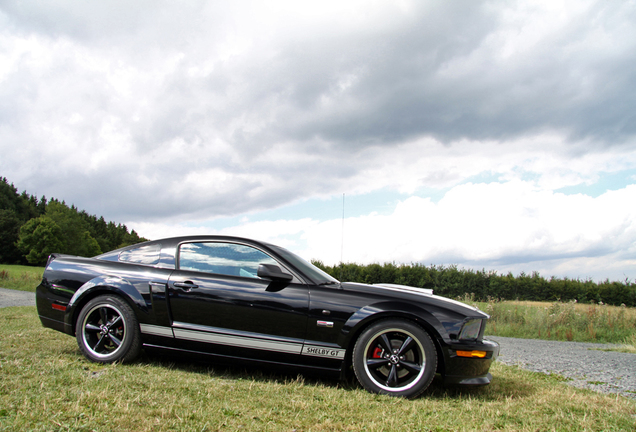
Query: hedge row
[450, 281]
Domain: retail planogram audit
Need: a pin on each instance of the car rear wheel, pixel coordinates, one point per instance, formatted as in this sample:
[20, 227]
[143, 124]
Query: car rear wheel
[108, 331]
[395, 357]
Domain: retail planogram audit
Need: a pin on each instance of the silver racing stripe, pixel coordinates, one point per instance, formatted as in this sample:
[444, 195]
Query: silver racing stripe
[156, 330]
[239, 341]
[243, 339]
[257, 341]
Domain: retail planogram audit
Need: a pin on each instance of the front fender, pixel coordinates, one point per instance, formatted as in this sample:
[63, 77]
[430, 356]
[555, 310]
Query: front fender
[390, 309]
[105, 285]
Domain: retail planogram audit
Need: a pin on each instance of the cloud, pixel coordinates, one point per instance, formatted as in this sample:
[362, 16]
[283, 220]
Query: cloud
[512, 226]
[160, 113]
[481, 223]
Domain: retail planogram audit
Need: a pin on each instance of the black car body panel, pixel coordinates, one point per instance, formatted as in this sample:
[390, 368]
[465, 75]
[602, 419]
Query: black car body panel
[202, 294]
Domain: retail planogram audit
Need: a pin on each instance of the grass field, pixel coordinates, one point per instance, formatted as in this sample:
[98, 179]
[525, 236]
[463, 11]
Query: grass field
[569, 321]
[23, 278]
[46, 385]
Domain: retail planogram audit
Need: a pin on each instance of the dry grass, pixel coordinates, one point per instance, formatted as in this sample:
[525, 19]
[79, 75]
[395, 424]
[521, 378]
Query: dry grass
[23, 278]
[569, 321]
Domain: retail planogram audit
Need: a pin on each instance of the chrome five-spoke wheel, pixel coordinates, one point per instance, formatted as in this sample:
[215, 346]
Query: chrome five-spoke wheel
[395, 357]
[107, 330]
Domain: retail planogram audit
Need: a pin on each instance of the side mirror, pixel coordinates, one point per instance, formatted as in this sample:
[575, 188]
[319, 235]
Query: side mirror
[271, 271]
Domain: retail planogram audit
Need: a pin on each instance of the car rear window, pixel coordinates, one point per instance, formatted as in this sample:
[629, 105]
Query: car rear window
[148, 255]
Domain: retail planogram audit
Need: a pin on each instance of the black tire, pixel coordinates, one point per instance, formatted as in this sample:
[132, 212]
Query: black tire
[107, 330]
[395, 357]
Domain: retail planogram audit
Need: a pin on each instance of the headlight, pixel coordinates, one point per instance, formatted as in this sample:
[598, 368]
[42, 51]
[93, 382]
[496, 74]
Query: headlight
[471, 329]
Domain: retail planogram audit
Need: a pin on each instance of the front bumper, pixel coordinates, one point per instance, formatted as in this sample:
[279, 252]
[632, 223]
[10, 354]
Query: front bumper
[467, 370]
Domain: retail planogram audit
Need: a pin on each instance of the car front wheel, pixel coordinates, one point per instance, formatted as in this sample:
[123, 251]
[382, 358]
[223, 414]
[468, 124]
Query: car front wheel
[108, 331]
[395, 357]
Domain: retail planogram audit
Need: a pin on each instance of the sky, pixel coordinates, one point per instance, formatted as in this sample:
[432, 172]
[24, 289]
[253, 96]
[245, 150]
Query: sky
[495, 135]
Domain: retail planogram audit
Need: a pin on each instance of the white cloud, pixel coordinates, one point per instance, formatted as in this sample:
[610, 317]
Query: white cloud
[178, 115]
[501, 226]
[512, 226]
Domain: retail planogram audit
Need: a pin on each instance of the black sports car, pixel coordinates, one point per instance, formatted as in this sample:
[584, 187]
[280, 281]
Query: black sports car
[235, 298]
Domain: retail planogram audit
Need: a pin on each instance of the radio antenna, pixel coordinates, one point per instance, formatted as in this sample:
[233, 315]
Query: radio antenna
[342, 237]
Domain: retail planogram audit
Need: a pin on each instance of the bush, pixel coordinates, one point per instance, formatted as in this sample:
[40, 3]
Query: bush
[450, 281]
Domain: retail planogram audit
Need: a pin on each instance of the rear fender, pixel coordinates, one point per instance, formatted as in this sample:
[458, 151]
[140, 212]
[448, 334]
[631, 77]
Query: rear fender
[103, 285]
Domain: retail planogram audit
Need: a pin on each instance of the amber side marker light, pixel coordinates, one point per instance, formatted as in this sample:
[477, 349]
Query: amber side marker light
[478, 354]
[59, 307]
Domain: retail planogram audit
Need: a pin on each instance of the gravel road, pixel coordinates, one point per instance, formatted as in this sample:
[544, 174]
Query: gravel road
[583, 363]
[16, 298]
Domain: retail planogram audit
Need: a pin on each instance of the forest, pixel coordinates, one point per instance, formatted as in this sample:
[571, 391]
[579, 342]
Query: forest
[31, 229]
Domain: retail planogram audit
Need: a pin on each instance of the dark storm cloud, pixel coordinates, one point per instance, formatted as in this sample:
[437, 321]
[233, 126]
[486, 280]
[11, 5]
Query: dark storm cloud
[448, 81]
[406, 83]
[412, 77]
[440, 72]
[266, 110]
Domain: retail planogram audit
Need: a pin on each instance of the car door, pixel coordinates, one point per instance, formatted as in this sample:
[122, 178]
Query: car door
[220, 305]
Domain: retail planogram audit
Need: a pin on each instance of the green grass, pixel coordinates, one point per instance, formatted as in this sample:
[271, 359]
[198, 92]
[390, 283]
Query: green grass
[625, 348]
[569, 321]
[23, 278]
[46, 385]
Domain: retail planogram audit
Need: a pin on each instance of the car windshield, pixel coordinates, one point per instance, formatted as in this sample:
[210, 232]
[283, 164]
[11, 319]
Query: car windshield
[318, 276]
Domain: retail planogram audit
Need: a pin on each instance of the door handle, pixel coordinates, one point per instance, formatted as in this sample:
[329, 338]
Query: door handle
[186, 285]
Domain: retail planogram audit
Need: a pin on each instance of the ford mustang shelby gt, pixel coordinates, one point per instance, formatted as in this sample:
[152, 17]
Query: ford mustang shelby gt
[235, 298]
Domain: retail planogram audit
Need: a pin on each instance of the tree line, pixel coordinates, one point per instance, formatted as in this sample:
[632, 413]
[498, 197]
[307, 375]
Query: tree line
[31, 229]
[451, 281]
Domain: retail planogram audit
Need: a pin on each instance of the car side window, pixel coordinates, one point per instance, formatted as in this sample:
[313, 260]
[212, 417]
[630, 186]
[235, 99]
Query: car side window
[222, 258]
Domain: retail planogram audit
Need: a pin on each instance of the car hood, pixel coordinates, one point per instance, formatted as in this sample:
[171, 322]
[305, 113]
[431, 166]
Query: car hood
[424, 295]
